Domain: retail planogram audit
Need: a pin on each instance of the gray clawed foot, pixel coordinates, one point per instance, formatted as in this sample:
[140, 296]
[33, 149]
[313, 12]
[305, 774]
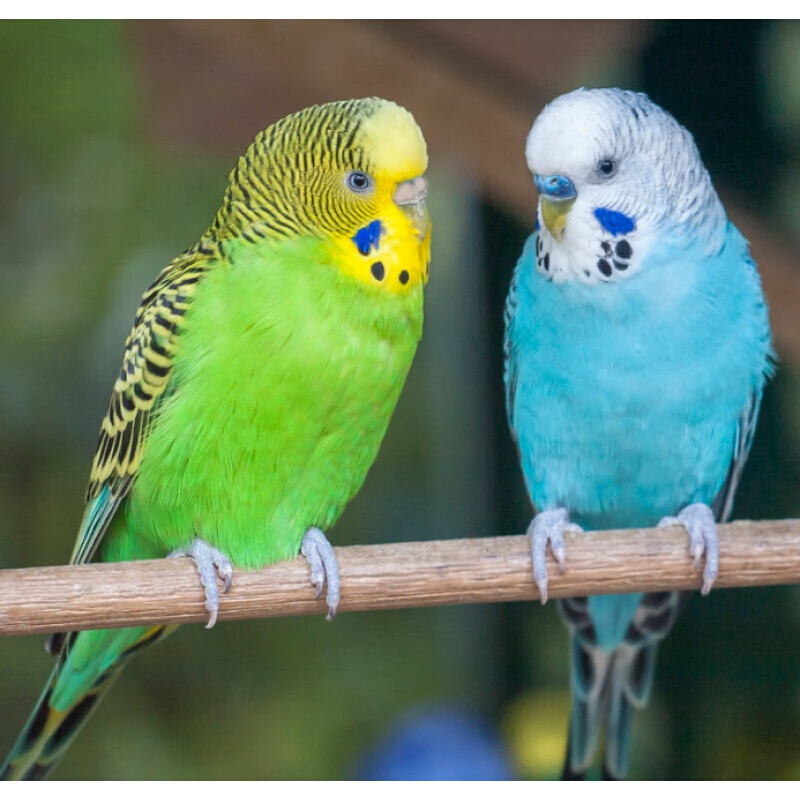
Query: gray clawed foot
[324, 567]
[549, 526]
[698, 519]
[210, 562]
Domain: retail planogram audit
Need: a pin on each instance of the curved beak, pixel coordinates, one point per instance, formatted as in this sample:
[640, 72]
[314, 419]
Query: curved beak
[556, 196]
[410, 196]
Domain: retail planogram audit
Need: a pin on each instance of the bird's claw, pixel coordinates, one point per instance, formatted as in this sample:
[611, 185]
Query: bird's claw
[319, 553]
[549, 526]
[210, 562]
[698, 519]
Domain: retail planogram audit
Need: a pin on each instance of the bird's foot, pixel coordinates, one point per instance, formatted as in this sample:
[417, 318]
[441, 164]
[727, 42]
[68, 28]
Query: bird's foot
[549, 526]
[321, 559]
[210, 562]
[698, 519]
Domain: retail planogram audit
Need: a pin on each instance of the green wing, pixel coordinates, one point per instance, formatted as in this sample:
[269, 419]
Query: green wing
[143, 381]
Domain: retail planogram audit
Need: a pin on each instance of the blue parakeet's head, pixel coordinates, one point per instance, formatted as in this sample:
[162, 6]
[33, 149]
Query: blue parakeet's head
[615, 173]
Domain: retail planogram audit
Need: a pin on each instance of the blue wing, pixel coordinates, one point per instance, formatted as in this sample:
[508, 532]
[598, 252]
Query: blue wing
[509, 352]
[745, 431]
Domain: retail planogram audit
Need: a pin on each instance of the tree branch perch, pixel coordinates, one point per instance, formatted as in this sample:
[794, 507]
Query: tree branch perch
[454, 571]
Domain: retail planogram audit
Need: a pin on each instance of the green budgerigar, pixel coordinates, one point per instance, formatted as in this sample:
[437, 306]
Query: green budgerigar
[257, 382]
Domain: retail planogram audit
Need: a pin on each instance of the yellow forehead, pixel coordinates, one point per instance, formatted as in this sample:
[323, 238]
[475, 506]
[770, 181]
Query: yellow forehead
[393, 143]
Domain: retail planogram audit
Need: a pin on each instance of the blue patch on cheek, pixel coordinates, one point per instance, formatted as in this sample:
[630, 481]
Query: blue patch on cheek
[368, 237]
[536, 224]
[615, 222]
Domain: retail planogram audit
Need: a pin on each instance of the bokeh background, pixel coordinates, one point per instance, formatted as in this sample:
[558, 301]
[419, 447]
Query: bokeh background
[115, 142]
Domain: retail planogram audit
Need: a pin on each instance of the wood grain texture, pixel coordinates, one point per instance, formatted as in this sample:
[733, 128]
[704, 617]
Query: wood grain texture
[453, 571]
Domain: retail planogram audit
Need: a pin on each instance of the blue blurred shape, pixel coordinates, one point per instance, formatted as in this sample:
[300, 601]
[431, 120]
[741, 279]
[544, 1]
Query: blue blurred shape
[438, 745]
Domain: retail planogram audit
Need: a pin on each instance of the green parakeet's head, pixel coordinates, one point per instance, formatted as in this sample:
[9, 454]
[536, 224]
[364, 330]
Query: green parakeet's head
[349, 173]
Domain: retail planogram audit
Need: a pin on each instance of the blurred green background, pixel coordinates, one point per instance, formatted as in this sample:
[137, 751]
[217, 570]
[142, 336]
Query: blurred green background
[115, 143]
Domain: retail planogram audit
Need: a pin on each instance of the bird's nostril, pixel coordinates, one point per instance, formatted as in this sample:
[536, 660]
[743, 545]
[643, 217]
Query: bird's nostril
[554, 181]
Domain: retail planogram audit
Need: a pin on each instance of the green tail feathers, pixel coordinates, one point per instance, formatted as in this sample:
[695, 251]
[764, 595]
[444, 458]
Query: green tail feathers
[49, 732]
[88, 663]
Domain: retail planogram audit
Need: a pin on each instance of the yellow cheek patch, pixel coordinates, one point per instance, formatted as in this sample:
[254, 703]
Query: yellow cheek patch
[385, 254]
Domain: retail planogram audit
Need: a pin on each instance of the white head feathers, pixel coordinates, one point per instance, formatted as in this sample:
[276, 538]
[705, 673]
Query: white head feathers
[625, 155]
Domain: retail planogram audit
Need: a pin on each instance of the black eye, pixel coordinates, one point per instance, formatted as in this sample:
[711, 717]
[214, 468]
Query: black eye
[358, 182]
[606, 167]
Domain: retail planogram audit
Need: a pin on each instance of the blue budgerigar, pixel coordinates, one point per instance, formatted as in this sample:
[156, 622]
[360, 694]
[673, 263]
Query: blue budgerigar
[637, 349]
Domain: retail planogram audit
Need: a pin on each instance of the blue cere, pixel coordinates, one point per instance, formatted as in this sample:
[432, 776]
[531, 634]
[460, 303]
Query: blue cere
[615, 222]
[368, 237]
[556, 187]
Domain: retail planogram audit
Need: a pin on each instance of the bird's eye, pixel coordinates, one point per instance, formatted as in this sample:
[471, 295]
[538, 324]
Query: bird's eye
[606, 167]
[358, 182]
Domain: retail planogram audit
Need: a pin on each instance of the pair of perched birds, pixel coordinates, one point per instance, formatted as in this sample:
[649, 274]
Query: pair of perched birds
[265, 362]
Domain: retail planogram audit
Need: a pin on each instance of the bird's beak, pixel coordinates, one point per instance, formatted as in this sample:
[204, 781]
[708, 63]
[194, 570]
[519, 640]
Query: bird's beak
[411, 197]
[556, 196]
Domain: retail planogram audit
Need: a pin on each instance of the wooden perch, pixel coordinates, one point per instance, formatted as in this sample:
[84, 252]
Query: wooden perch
[49, 599]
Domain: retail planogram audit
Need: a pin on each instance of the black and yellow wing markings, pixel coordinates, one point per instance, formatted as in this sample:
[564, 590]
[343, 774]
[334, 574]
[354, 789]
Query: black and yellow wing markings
[143, 381]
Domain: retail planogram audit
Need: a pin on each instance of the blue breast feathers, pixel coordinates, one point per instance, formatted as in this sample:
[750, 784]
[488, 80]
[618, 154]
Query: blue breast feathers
[625, 404]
